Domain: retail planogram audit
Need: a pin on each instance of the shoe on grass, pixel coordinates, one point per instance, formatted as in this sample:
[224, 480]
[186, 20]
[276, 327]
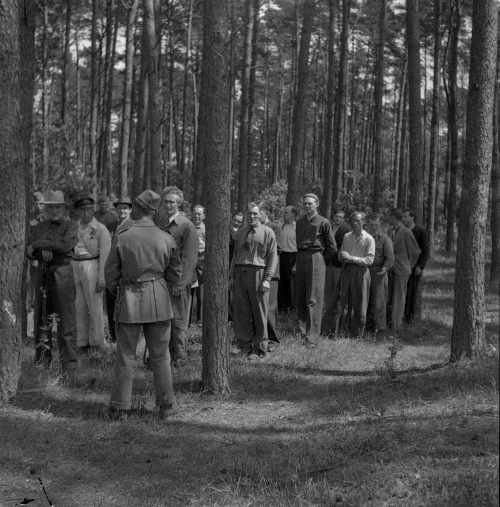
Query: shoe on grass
[116, 414]
[168, 410]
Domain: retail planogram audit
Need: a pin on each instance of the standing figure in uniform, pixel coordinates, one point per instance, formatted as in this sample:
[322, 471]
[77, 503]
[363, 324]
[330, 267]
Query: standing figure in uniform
[315, 243]
[252, 268]
[89, 259]
[142, 266]
[51, 244]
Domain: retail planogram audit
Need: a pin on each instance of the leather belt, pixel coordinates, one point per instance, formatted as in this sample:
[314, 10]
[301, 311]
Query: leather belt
[140, 279]
[85, 258]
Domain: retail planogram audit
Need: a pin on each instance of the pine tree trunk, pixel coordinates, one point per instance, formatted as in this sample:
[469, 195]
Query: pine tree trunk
[13, 203]
[213, 146]
[379, 113]
[94, 99]
[434, 140]
[300, 105]
[416, 176]
[468, 334]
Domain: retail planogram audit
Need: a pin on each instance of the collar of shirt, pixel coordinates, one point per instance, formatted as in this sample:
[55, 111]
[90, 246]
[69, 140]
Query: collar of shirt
[92, 224]
[312, 217]
[173, 218]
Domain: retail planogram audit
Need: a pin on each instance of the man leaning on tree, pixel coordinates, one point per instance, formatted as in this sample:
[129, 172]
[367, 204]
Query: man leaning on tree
[315, 243]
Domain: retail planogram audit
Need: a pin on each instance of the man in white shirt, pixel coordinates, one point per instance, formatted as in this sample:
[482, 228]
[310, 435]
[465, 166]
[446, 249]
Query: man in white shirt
[356, 254]
[89, 259]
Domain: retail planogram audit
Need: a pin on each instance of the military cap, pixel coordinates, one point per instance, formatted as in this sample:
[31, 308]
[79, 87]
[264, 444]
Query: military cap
[84, 201]
[148, 199]
[312, 196]
[123, 200]
[54, 197]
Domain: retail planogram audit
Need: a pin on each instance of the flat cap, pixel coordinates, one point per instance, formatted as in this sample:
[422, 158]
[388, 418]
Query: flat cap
[312, 196]
[84, 201]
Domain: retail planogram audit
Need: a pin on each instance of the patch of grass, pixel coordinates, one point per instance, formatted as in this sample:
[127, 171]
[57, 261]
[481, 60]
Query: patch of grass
[340, 424]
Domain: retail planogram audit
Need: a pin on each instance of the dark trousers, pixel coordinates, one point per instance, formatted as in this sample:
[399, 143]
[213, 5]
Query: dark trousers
[356, 288]
[396, 298]
[110, 311]
[377, 306]
[250, 309]
[413, 307]
[309, 287]
[60, 301]
[332, 297]
[271, 313]
[286, 289]
[180, 308]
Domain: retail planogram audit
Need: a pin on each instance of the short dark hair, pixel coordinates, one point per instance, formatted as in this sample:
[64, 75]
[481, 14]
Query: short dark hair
[238, 214]
[266, 206]
[410, 212]
[397, 213]
[253, 205]
[362, 214]
[374, 216]
[293, 209]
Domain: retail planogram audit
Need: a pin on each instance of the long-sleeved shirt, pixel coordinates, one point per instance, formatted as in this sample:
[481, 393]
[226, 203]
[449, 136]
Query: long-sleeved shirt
[94, 240]
[384, 253]
[315, 235]
[255, 246]
[58, 237]
[289, 237]
[361, 248]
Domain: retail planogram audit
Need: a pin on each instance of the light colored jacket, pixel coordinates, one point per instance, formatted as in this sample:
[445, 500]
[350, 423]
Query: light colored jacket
[406, 251]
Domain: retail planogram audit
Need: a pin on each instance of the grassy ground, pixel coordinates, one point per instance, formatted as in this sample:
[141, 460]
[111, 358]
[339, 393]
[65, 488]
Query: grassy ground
[327, 426]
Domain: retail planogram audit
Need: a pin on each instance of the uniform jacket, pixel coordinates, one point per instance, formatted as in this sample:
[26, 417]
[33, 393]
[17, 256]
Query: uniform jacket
[184, 233]
[406, 250]
[143, 250]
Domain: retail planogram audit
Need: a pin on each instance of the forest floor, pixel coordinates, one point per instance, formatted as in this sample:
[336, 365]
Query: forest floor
[335, 425]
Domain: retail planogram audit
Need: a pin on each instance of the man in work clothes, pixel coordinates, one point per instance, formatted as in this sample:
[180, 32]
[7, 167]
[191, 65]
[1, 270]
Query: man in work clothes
[273, 339]
[288, 257]
[357, 254]
[406, 253]
[51, 244]
[252, 268]
[184, 233]
[143, 262]
[332, 276]
[413, 305]
[315, 244]
[89, 259]
[383, 262]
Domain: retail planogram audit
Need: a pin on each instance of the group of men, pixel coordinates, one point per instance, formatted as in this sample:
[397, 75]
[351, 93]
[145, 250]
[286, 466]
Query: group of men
[148, 257]
[321, 269]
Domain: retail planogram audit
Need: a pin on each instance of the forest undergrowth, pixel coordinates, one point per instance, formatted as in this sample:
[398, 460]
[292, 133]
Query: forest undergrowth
[347, 423]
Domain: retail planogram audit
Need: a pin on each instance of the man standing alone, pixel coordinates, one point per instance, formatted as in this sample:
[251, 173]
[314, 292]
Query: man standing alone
[142, 264]
[315, 243]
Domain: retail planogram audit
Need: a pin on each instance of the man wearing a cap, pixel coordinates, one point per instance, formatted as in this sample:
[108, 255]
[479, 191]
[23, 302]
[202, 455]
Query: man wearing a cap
[51, 243]
[142, 265]
[123, 208]
[315, 243]
[171, 219]
[89, 259]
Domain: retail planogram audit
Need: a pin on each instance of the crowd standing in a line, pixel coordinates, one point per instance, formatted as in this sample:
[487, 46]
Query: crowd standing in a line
[147, 257]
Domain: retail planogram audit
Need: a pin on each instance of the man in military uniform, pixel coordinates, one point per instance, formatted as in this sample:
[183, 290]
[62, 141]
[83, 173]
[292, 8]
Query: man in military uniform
[51, 243]
[143, 265]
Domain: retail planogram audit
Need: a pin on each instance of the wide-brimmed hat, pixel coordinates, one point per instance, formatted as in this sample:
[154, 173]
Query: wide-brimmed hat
[54, 197]
[123, 200]
[84, 201]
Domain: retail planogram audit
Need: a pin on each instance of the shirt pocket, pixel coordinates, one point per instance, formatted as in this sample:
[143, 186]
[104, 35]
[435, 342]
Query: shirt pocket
[261, 248]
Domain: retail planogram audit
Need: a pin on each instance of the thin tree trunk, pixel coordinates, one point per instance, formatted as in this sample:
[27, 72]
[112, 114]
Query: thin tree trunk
[379, 113]
[399, 132]
[468, 334]
[415, 108]
[94, 98]
[434, 140]
[45, 98]
[127, 98]
[213, 145]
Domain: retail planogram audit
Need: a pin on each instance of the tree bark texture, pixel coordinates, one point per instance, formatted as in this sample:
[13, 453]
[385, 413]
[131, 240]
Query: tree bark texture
[300, 106]
[468, 334]
[12, 204]
[416, 176]
[213, 146]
